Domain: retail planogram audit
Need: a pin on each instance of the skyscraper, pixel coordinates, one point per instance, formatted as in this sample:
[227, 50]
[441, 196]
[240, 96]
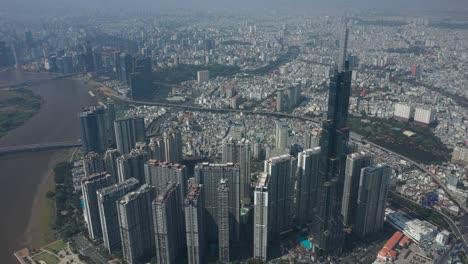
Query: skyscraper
[93, 163]
[159, 174]
[97, 59]
[307, 185]
[262, 217]
[136, 224]
[281, 135]
[3, 54]
[141, 79]
[281, 171]
[93, 128]
[89, 187]
[28, 39]
[343, 56]
[312, 139]
[110, 121]
[280, 101]
[223, 222]
[117, 65]
[132, 165]
[173, 146]
[194, 224]
[126, 68]
[239, 152]
[328, 228]
[169, 226]
[228, 150]
[88, 57]
[373, 190]
[157, 149]
[354, 163]
[129, 131]
[210, 175]
[110, 163]
[107, 203]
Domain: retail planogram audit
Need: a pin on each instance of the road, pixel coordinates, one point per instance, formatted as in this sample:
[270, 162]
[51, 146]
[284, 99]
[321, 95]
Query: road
[85, 247]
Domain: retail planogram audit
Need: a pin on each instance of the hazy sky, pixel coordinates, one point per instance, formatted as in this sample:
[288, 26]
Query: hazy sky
[434, 5]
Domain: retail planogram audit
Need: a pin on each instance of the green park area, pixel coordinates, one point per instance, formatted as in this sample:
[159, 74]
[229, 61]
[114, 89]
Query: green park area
[68, 210]
[17, 106]
[423, 146]
[46, 258]
[55, 246]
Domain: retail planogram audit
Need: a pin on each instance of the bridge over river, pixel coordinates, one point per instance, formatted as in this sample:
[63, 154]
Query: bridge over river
[14, 150]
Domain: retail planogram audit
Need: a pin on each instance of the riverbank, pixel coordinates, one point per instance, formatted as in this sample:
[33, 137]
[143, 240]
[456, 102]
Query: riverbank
[41, 225]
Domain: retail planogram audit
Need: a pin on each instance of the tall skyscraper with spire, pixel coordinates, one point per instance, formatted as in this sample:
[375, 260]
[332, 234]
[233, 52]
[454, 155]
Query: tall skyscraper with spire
[343, 55]
[328, 227]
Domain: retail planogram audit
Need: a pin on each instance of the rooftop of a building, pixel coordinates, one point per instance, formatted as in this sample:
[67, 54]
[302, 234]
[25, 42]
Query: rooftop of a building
[133, 195]
[356, 155]
[162, 198]
[262, 180]
[95, 176]
[129, 118]
[165, 164]
[93, 110]
[217, 165]
[134, 153]
[116, 187]
[279, 159]
[315, 150]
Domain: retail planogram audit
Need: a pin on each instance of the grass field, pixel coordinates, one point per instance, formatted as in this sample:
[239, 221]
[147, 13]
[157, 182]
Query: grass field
[16, 107]
[55, 246]
[47, 258]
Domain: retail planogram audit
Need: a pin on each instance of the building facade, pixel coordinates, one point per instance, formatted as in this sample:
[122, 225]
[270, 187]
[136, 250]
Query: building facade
[262, 218]
[89, 186]
[132, 165]
[194, 224]
[282, 170]
[136, 224]
[107, 203]
[372, 197]
[129, 131]
[210, 175]
[169, 225]
[354, 163]
[307, 185]
[93, 129]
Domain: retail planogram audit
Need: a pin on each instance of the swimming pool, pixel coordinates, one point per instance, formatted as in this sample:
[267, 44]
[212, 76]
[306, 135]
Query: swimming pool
[305, 242]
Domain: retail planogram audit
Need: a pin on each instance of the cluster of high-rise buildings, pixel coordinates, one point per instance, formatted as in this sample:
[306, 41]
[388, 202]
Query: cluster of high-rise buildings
[134, 72]
[139, 199]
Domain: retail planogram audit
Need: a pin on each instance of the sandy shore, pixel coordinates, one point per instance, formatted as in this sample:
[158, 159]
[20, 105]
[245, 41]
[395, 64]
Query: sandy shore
[42, 216]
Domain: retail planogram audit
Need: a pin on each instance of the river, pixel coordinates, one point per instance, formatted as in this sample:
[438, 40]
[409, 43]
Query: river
[24, 178]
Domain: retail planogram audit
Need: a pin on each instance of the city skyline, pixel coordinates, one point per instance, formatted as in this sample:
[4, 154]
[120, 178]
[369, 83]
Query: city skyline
[203, 136]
